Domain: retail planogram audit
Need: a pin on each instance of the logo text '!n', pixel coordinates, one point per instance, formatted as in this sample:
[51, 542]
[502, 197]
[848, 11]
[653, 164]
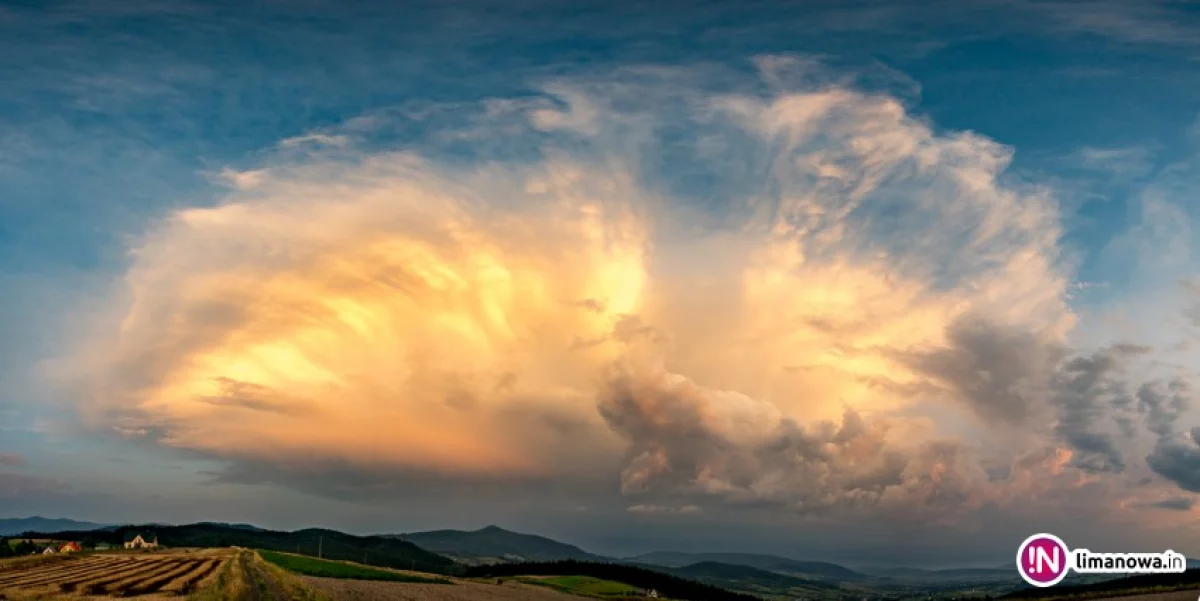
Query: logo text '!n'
[1040, 560]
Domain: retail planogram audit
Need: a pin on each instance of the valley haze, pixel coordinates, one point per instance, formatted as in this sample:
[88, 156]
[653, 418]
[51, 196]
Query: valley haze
[875, 283]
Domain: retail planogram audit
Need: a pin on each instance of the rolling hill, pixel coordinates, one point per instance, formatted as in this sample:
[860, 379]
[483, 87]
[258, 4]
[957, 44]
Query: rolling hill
[330, 544]
[767, 563]
[18, 526]
[1113, 587]
[667, 585]
[494, 544]
[754, 581]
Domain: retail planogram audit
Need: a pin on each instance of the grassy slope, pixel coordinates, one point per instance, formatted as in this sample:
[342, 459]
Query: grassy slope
[582, 585]
[311, 566]
[246, 577]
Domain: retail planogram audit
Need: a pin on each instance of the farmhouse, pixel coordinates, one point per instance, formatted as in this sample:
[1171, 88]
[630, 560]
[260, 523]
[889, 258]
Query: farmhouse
[49, 551]
[140, 541]
[71, 547]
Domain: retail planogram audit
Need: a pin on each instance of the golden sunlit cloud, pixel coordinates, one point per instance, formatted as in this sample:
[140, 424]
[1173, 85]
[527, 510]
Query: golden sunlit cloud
[565, 315]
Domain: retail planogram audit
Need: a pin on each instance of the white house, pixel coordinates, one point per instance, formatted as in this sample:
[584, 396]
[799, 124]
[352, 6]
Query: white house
[138, 541]
[49, 551]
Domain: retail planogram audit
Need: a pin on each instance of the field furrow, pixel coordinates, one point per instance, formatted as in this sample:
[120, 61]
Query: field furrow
[65, 571]
[43, 576]
[191, 580]
[26, 570]
[100, 587]
[175, 573]
[155, 582]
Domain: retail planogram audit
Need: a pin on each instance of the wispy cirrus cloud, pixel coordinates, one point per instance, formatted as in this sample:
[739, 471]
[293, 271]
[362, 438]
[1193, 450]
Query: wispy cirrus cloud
[1122, 163]
[1158, 23]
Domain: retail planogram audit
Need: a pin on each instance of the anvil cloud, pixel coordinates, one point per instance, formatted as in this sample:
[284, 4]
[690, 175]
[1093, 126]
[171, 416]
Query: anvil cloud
[859, 315]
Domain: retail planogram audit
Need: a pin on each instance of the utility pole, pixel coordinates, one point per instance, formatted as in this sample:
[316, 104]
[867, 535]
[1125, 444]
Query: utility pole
[321, 547]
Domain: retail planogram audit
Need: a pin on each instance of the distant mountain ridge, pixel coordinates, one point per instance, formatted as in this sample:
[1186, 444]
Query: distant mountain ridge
[494, 544]
[249, 527]
[18, 526]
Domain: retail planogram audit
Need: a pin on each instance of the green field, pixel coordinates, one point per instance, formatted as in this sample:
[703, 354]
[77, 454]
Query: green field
[311, 566]
[583, 585]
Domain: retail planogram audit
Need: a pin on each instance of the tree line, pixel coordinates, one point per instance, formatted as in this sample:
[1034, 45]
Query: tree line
[17, 547]
[668, 586]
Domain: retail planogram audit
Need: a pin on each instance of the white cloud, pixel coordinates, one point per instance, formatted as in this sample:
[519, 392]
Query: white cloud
[244, 180]
[315, 139]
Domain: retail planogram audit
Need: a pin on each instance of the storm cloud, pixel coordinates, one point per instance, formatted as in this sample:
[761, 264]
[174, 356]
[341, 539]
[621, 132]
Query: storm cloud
[552, 314]
[1177, 458]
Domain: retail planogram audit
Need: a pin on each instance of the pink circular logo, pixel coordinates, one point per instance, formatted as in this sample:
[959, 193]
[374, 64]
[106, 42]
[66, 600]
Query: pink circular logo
[1043, 560]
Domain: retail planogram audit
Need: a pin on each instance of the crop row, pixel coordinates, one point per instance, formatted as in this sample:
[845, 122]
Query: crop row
[29, 578]
[126, 577]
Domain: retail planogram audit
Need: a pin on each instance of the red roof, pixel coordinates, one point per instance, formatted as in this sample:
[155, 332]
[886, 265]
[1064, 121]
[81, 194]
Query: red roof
[72, 546]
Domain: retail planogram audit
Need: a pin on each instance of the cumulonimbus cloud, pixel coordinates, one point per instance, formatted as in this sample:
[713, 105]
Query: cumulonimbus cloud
[855, 282]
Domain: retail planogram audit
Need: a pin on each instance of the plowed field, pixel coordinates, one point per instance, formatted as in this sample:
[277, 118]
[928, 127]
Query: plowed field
[160, 574]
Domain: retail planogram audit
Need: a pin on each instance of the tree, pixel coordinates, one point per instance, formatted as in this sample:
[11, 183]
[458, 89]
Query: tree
[6, 549]
[26, 547]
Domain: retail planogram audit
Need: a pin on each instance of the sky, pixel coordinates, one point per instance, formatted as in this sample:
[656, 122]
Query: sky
[868, 282]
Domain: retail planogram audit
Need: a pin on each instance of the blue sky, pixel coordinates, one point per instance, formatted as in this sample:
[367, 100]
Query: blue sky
[117, 116]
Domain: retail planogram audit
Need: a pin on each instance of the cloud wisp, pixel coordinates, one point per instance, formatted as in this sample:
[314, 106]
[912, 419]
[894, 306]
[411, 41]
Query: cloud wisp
[854, 314]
